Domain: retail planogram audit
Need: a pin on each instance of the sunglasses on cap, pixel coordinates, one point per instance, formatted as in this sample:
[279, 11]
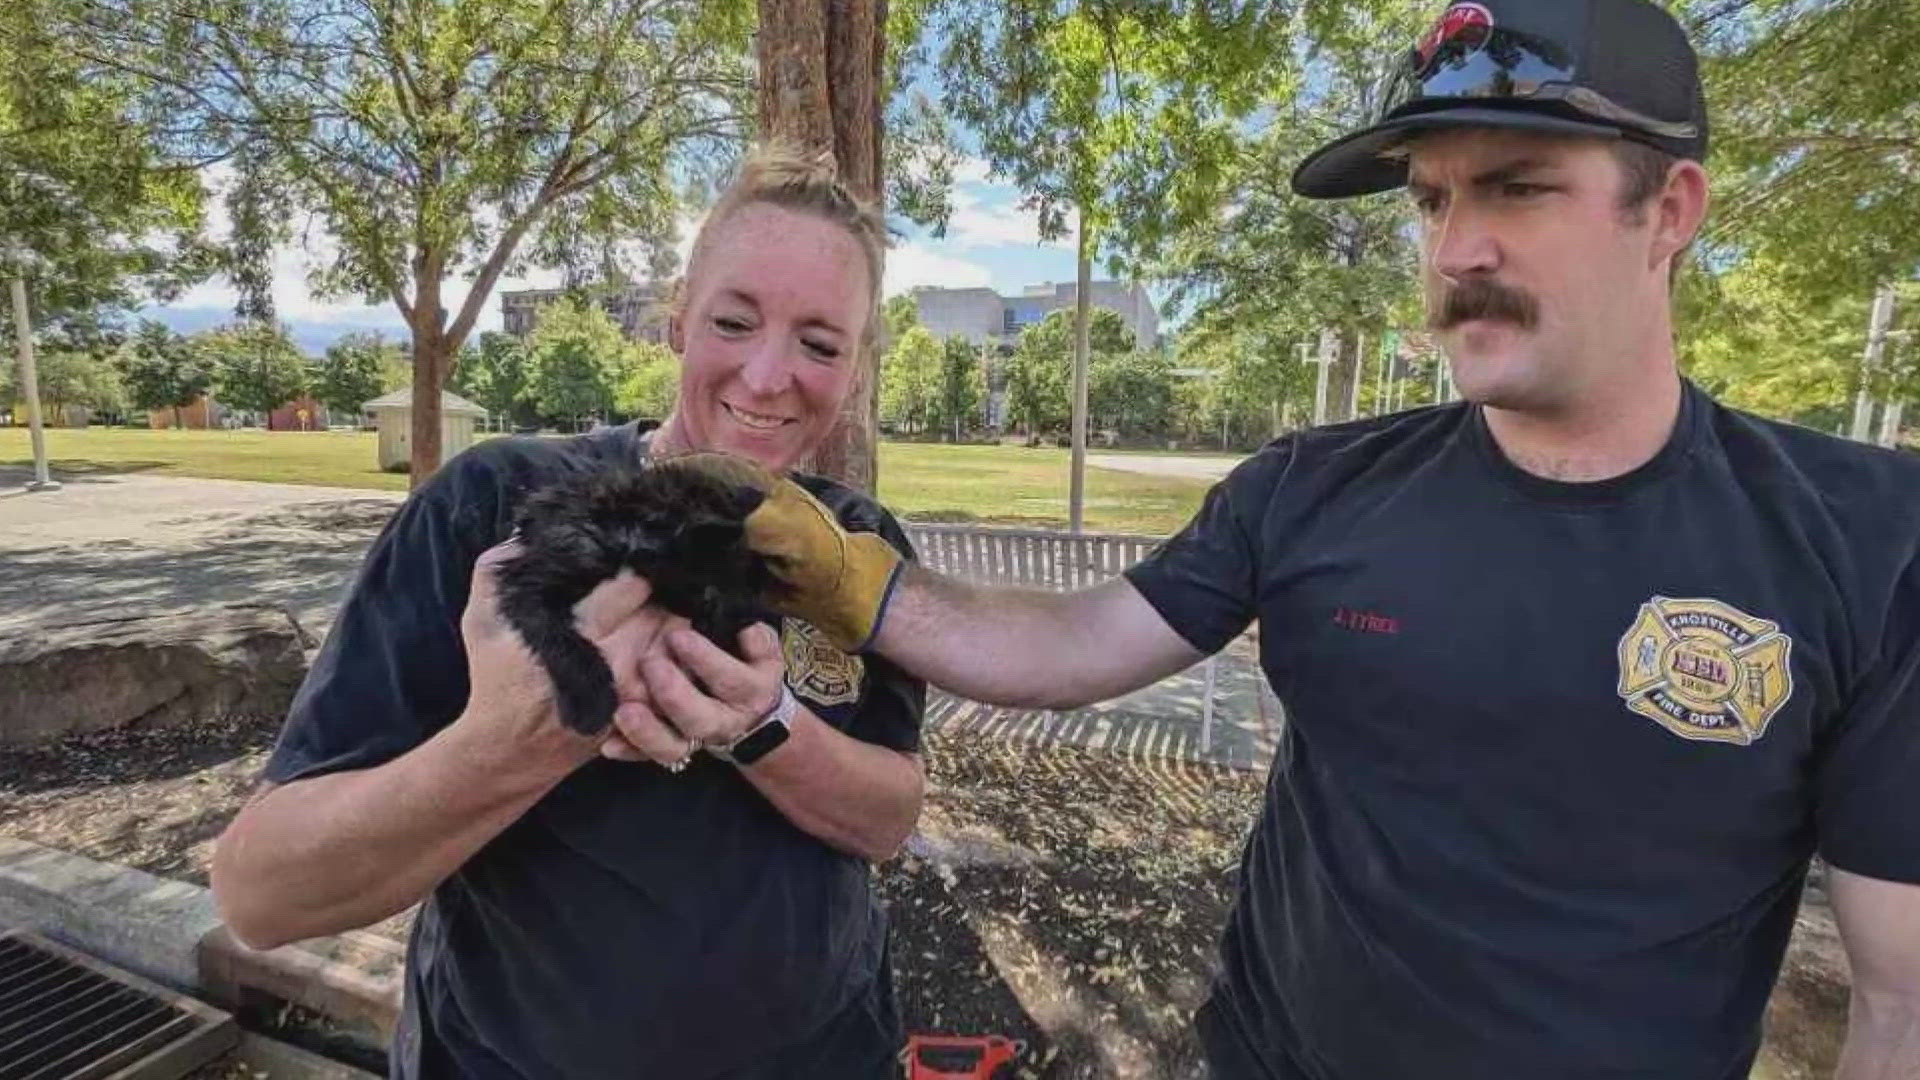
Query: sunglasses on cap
[1479, 64]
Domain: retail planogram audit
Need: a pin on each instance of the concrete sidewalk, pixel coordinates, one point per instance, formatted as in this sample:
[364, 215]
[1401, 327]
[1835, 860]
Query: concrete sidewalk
[126, 543]
[132, 543]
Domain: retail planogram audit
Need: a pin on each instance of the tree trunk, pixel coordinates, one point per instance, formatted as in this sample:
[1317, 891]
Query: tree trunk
[820, 75]
[1076, 487]
[429, 376]
[431, 362]
[1341, 377]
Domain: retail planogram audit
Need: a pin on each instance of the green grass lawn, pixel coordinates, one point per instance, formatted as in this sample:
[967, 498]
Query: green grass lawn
[1006, 485]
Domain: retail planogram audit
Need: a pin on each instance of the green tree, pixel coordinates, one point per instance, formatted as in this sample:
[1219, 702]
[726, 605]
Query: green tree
[1757, 344]
[1815, 195]
[1036, 382]
[575, 354]
[1040, 371]
[956, 403]
[1813, 164]
[910, 375]
[1253, 384]
[92, 210]
[900, 314]
[651, 384]
[439, 139]
[162, 370]
[1107, 333]
[1131, 392]
[496, 376]
[92, 213]
[257, 368]
[74, 378]
[1125, 116]
[1276, 268]
[352, 372]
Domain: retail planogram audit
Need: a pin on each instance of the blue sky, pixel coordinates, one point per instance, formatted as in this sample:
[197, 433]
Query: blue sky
[990, 241]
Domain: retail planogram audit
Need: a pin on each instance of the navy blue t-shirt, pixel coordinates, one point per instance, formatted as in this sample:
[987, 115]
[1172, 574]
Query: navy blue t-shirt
[633, 922]
[1557, 754]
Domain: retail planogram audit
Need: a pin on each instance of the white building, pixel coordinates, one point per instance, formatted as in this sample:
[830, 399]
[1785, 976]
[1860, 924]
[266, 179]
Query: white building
[986, 317]
[994, 322]
[639, 308]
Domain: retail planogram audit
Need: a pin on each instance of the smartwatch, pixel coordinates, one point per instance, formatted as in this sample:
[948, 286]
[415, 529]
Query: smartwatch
[766, 736]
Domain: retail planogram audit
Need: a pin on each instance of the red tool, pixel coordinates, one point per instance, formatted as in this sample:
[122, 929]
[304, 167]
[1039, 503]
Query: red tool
[959, 1057]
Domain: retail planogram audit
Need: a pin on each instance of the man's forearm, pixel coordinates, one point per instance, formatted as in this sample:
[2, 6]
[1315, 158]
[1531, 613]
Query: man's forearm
[1027, 648]
[860, 798]
[340, 851]
[1883, 1037]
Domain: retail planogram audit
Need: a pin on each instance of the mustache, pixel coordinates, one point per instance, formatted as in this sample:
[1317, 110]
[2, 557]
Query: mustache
[1483, 298]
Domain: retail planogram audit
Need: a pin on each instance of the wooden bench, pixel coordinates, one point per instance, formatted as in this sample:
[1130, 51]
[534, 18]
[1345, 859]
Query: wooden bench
[1041, 559]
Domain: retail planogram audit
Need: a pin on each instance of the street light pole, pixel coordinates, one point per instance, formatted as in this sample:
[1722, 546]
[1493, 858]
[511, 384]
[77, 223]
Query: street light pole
[1359, 369]
[1325, 360]
[1890, 412]
[30, 385]
[1077, 484]
[1870, 362]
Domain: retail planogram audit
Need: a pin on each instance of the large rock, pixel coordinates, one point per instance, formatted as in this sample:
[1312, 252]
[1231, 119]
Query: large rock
[219, 661]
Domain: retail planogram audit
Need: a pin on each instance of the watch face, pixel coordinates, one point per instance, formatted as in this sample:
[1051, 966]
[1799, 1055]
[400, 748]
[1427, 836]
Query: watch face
[758, 743]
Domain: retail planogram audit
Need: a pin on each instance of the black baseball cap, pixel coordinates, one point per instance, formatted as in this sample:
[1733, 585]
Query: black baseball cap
[1606, 68]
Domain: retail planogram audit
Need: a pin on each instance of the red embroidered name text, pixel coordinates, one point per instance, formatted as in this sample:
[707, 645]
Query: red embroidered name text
[1365, 621]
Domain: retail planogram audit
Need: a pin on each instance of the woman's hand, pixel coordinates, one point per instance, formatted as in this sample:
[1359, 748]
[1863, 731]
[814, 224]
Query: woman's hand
[737, 694]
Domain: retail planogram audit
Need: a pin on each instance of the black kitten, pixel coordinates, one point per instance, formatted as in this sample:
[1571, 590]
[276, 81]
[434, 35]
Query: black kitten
[681, 530]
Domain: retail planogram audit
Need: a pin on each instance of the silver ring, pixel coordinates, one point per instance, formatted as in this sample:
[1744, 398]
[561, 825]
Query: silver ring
[676, 766]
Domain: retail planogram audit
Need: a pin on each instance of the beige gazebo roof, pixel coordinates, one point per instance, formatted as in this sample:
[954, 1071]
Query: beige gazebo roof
[451, 404]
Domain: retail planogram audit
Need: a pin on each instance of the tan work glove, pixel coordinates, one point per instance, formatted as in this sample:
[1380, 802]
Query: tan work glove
[840, 581]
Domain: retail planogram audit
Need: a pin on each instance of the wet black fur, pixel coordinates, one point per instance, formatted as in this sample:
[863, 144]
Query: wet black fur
[682, 531]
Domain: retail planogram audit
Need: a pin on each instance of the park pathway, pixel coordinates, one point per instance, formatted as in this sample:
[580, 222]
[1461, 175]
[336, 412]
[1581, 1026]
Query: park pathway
[116, 544]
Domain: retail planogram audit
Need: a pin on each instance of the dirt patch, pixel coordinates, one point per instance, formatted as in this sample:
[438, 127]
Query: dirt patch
[1099, 929]
[152, 798]
[1073, 902]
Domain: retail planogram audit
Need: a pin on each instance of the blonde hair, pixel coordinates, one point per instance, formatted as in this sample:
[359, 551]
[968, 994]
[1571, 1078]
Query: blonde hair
[778, 174]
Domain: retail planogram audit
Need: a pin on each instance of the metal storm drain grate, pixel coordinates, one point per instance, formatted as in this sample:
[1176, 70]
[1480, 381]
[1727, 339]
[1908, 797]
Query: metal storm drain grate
[67, 1016]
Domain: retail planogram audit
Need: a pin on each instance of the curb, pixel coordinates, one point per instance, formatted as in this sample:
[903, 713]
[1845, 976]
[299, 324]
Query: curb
[171, 932]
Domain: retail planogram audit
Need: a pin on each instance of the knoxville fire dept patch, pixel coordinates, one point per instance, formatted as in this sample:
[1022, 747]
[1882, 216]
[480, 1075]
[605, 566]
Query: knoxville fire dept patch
[1705, 670]
[816, 670]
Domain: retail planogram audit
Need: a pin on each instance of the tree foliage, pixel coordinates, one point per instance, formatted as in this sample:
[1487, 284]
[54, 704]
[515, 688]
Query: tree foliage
[437, 138]
[910, 377]
[257, 367]
[1040, 371]
[92, 209]
[959, 389]
[163, 370]
[70, 377]
[1131, 393]
[1126, 113]
[900, 314]
[352, 372]
[494, 375]
[651, 384]
[1816, 124]
[576, 356]
[1269, 269]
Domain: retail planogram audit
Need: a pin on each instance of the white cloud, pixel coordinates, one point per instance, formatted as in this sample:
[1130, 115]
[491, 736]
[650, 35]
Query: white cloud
[995, 220]
[912, 264]
[985, 215]
[311, 246]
